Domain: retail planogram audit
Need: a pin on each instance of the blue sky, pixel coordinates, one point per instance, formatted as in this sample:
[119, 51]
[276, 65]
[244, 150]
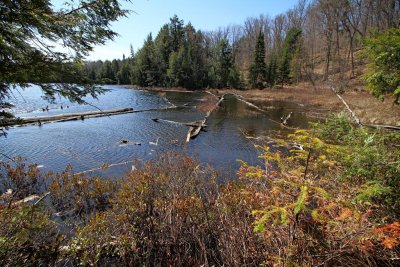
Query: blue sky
[149, 15]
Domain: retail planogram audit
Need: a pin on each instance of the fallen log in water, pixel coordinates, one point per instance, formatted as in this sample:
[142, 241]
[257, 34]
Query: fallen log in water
[194, 131]
[189, 135]
[78, 116]
[190, 124]
[284, 120]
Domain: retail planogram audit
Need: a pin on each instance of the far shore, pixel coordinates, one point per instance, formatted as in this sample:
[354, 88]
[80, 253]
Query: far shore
[368, 109]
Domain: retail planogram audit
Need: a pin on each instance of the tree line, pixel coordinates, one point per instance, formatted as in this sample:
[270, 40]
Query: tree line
[179, 56]
[309, 42]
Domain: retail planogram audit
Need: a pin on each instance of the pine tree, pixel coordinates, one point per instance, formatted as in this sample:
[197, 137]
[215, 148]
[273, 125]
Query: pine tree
[144, 69]
[176, 31]
[290, 47]
[224, 66]
[257, 72]
[175, 71]
[272, 72]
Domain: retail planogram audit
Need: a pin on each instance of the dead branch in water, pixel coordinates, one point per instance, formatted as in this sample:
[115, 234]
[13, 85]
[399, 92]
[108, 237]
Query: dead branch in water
[240, 98]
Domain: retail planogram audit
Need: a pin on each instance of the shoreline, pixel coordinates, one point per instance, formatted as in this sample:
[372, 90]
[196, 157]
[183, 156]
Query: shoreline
[321, 99]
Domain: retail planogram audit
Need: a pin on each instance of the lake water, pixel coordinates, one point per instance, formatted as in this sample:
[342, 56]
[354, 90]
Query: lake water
[91, 143]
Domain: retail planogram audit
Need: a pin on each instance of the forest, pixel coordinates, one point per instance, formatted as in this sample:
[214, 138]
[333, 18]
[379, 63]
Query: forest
[315, 41]
[326, 195]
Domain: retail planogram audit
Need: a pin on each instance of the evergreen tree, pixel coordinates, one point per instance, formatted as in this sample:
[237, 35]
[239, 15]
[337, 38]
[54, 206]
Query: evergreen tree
[144, 69]
[107, 73]
[272, 72]
[290, 47]
[92, 75]
[132, 51]
[176, 30]
[194, 64]
[174, 71]
[163, 49]
[224, 66]
[257, 71]
[234, 80]
[123, 75]
[383, 51]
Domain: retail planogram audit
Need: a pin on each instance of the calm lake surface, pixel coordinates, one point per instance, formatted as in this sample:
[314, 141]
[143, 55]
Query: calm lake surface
[91, 143]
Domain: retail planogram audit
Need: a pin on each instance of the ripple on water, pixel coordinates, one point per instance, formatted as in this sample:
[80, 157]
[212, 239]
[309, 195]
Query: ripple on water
[90, 143]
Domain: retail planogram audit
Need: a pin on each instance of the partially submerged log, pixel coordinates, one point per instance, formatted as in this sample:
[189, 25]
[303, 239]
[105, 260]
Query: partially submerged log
[159, 89]
[189, 135]
[284, 120]
[76, 116]
[222, 98]
[194, 130]
[190, 124]
[79, 116]
[240, 98]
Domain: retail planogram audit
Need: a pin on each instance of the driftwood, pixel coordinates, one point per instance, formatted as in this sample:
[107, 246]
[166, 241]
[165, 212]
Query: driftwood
[190, 124]
[356, 119]
[240, 98]
[210, 93]
[78, 116]
[284, 121]
[158, 89]
[194, 130]
[189, 135]
[32, 199]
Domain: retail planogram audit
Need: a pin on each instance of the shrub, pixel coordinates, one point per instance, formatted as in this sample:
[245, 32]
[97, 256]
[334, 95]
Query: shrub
[331, 199]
